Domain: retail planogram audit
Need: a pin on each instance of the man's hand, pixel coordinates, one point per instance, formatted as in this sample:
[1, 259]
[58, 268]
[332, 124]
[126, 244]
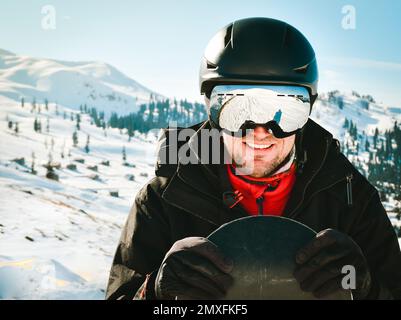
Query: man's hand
[320, 262]
[194, 268]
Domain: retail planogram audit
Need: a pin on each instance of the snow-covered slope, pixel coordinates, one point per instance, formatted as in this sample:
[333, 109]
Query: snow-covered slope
[57, 239]
[327, 113]
[71, 84]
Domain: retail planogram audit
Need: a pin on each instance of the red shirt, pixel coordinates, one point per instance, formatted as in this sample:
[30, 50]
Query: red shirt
[267, 195]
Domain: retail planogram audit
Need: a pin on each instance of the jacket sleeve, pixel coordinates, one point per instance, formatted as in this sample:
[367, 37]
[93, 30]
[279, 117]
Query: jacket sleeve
[144, 241]
[377, 238]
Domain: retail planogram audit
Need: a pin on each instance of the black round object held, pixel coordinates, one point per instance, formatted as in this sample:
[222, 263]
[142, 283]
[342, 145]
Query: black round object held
[263, 249]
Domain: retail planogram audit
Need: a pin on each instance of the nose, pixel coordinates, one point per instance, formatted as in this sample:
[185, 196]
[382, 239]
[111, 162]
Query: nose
[261, 132]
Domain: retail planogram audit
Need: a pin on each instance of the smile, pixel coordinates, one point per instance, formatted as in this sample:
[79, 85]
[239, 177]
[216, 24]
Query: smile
[258, 146]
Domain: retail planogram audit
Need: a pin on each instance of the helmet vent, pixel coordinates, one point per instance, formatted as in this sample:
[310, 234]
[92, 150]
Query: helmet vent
[228, 36]
[210, 65]
[302, 69]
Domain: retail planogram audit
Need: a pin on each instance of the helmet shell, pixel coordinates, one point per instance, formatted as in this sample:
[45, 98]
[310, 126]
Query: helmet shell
[259, 51]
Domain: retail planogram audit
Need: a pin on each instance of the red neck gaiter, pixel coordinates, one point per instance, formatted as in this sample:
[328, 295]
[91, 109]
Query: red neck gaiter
[267, 196]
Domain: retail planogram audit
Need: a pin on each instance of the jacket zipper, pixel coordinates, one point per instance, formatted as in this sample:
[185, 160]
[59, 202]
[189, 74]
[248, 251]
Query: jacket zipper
[259, 202]
[349, 190]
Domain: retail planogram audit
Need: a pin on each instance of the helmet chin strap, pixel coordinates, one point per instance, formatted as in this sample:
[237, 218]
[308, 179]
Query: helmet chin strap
[301, 151]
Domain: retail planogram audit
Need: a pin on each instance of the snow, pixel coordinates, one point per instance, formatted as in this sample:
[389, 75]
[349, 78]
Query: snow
[70, 83]
[332, 117]
[58, 238]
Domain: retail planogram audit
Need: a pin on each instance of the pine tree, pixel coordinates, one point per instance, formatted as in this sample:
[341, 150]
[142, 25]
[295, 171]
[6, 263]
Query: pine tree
[124, 154]
[356, 132]
[87, 144]
[47, 125]
[350, 128]
[375, 137]
[50, 174]
[33, 105]
[22, 102]
[340, 103]
[35, 125]
[33, 171]
[46, 105]
[75, 138]
[78, 118]
[16, 129]
[130, 132]
[62, 150]
[367, 144]
[10, 124]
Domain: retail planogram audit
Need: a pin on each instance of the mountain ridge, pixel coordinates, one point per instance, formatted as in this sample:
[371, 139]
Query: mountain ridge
[71, 83]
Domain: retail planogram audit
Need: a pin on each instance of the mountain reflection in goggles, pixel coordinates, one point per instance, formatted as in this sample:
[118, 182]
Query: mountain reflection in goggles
[283, 109]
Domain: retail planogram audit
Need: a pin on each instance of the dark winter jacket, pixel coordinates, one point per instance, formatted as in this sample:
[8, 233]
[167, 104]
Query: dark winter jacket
[186, 200]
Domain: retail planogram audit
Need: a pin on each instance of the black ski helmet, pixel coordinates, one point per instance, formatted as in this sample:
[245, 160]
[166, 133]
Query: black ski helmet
[259, 51]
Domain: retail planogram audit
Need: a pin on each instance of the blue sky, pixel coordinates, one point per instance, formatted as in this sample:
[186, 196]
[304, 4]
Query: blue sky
[160, 43]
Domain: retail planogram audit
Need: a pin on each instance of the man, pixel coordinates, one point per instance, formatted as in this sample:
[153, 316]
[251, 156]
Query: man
[259, 77]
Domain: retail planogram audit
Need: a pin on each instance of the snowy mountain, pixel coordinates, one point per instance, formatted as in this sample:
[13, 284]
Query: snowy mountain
[70, 84]
[58, 237]
[332, 108]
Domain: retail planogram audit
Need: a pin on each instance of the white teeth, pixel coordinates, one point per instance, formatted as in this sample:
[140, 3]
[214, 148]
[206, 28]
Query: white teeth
[258, 146]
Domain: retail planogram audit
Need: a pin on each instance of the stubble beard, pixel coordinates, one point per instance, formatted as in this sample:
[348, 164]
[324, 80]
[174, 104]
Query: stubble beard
[261, 171]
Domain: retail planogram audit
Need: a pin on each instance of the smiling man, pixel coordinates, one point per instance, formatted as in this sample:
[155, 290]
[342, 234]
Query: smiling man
[259, 77]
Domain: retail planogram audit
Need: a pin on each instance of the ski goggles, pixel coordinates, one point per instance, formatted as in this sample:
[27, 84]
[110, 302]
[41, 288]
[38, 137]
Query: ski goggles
[281, 109]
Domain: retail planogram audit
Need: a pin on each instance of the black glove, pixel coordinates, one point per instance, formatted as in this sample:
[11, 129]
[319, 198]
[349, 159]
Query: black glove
[194, 268]
[320, 262]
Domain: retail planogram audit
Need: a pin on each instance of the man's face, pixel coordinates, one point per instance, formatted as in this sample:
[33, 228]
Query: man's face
[259, 153]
